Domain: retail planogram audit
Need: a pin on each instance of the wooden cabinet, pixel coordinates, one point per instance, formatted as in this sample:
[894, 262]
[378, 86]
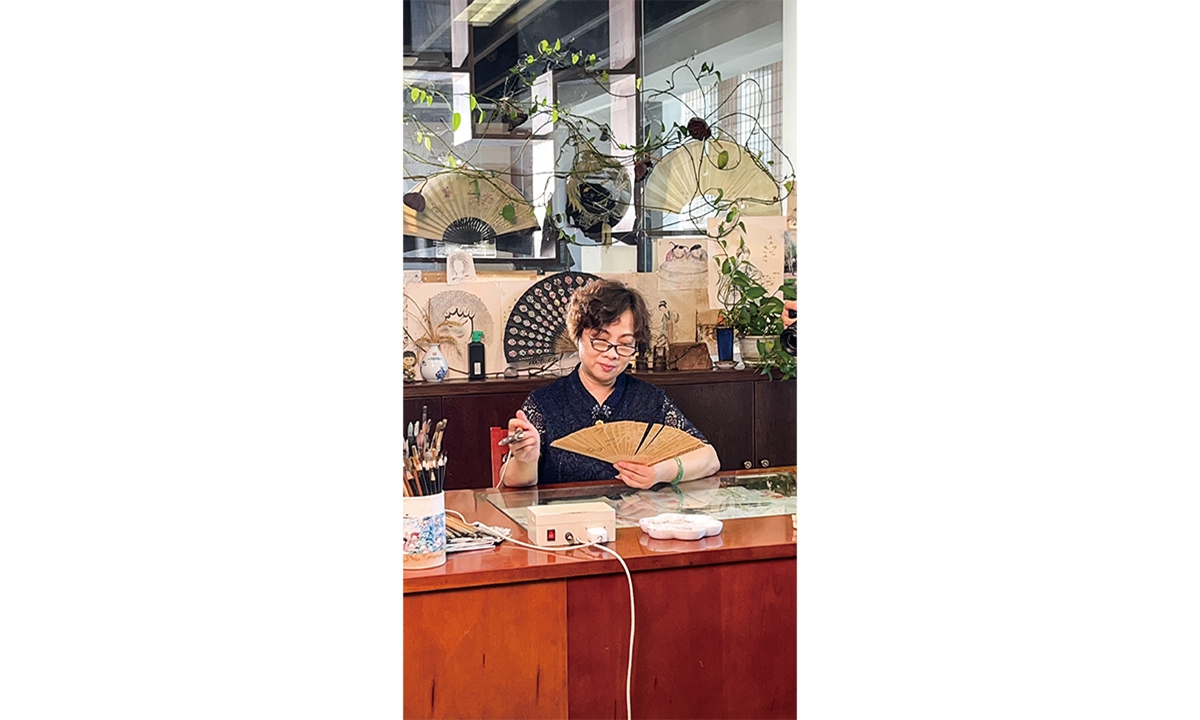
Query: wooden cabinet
[774, 424]
[750, 420]
[725, 414]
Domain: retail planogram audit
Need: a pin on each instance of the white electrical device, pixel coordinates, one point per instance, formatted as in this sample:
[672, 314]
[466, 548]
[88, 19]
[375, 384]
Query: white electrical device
[582, 522]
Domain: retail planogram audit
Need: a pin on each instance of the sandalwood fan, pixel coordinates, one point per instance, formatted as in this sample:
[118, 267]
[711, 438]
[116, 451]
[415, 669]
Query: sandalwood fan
[629, 441]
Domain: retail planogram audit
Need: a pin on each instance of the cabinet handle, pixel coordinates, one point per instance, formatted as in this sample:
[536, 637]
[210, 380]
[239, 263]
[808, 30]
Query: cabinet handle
[765, 462]
[747, 464]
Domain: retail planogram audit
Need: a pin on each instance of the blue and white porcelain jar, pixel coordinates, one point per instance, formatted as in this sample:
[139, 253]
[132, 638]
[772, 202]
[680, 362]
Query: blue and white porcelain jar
[433, 364]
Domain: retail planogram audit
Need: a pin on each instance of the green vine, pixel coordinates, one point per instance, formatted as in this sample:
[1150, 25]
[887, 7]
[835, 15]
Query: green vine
[583, 136]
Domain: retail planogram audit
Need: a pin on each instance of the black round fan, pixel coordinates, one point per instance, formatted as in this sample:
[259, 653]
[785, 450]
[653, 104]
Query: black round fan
[598, 192]
[537, 327]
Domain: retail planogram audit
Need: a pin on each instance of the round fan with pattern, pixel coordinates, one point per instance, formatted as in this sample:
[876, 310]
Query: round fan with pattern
[537, 327]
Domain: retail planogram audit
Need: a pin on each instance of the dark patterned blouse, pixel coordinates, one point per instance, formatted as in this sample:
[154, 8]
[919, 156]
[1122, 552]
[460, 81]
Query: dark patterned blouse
[565, 405]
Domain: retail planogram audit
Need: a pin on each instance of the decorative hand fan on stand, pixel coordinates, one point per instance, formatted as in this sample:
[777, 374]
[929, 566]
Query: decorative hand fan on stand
[460, 209]
[629, 441]
[693, 170]
[537, 328]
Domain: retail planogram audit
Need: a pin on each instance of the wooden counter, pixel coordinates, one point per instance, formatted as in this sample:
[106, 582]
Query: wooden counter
[749, 418]
[517, 633]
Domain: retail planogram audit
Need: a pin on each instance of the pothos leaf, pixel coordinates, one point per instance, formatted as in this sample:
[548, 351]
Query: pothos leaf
[554, 115]
[557, 45]
[427, 145]
[638, 83]
[574, 58]
[451, 161]
[455, 121]
[414, 93]
[474, 102]
[509, 212]
[788, 186]
[723, 159]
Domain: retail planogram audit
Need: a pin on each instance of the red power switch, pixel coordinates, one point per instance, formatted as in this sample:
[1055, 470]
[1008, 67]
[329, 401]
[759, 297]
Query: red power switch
[549, 536]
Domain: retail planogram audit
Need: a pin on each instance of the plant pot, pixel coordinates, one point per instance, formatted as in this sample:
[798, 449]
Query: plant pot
[749, 347]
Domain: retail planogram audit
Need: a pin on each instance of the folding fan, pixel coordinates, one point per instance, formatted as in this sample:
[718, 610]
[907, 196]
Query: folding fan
[459, 210]
[629, 440]
[537, 327]
[691, 170]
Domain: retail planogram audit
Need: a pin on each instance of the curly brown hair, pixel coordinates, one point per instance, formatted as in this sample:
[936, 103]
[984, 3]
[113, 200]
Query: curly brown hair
[600, 303]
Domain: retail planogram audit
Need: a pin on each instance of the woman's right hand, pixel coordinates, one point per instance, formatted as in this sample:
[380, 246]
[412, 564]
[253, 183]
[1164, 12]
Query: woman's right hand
[529, 448]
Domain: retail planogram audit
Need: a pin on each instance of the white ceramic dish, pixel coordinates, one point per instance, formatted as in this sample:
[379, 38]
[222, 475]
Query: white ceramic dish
[674, 526]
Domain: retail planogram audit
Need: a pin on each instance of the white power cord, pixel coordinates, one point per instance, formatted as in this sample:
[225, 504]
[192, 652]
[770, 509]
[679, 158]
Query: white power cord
[628, 576]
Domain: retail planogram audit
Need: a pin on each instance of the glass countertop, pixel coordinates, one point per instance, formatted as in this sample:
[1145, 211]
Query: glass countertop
[722, 497]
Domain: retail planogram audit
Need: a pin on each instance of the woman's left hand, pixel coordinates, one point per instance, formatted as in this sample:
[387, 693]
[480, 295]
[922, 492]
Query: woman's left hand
[638, 475]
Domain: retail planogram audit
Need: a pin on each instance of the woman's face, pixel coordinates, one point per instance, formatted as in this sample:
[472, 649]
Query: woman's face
[604, 365]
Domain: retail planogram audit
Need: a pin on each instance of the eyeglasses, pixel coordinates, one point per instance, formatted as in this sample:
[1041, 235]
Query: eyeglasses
[603, 346]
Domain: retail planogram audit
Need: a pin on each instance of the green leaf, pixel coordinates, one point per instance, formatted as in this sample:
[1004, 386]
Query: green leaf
[544, 47]
[638, 83]
[729, 216]
[788, 186]
[755, 292]
[591, 59]
[604, 76]
[482, 115]
[528, 59]
[455, 121]
[427, 145]
[451, 161]
[474, 103]
[727, 266]
[557, 45]
[574, 58]
[718, 76]
[414, 93]
[509, 212]
[723, 159]
[742, 225]
[554, 115]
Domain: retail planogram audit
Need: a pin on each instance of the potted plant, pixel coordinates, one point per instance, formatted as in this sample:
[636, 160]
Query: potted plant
[755, 313]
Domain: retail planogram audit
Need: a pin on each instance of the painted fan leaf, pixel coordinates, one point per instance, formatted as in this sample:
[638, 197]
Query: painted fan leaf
[711, 168]
[465, 210]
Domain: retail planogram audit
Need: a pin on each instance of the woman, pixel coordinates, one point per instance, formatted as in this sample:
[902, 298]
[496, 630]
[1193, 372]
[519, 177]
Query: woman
[610, 323]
